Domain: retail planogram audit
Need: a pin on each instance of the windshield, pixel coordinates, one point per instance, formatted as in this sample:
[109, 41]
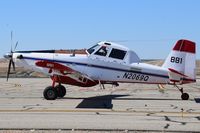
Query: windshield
[92, 49]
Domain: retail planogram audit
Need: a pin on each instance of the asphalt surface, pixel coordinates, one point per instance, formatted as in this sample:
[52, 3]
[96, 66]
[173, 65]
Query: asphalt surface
[129, 107]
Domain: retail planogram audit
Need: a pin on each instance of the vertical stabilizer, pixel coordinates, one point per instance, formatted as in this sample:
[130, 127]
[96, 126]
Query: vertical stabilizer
[181, 62]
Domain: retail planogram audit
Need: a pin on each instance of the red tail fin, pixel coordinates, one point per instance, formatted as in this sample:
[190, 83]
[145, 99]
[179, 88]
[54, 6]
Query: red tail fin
[185, 46]
[181, 62]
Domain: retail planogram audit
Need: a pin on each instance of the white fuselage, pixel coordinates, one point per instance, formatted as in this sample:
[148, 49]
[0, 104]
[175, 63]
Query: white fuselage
[97, 68]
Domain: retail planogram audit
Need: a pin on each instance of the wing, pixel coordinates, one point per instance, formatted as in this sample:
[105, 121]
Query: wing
[63, 70]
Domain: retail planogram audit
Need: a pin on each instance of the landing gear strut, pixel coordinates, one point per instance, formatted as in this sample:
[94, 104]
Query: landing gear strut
[184, 96]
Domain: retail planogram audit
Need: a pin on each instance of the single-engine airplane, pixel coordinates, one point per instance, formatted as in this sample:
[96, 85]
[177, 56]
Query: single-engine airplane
[107, 63]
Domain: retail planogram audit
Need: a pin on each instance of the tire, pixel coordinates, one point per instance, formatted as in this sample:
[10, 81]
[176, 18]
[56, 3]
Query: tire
[61, 90]
[184, 96]
[50, 93]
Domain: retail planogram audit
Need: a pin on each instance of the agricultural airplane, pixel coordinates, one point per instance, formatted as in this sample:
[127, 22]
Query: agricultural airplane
[106, 63]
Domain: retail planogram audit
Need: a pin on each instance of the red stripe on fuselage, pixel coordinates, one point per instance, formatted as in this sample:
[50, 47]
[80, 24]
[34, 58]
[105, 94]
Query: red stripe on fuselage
[71, 81]
[186, 81]
[174, 71]
[53, 65]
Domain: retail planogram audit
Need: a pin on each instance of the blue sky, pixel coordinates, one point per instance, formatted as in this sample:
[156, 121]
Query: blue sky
[149, 27]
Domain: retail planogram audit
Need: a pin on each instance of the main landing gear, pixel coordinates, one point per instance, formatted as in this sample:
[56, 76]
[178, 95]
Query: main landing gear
[51, 93]
[184, 96]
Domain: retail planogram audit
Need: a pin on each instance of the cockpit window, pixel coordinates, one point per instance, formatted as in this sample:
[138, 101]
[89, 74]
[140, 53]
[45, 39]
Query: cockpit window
[117, 54]
[102, 51]
[92, 49]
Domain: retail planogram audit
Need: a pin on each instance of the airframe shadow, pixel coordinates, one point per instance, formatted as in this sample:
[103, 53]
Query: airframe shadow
[100, 102]
[197, 100]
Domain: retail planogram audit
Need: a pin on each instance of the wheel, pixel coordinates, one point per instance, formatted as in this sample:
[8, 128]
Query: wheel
[184, 96]
[61, 90]
[50, 93]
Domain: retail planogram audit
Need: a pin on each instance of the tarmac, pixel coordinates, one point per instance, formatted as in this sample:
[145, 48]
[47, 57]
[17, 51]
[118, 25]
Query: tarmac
[127, 108]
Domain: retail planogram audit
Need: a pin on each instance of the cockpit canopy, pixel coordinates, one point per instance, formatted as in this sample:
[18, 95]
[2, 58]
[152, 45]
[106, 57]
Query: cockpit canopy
[114, 51]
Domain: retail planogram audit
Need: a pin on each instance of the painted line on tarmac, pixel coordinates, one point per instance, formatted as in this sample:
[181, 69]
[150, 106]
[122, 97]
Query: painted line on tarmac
[102, 111]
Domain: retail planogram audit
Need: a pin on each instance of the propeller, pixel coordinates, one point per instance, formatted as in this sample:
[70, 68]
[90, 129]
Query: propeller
[10, 57]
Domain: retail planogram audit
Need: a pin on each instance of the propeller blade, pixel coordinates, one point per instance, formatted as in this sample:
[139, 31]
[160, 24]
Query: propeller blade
[13, 64]
[11, 35]
[8, 73]
[16, 45]
[11, 39]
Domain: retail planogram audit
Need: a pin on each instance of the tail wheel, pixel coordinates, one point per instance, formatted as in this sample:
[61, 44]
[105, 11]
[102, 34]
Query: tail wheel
[50, 93]
[61, 90]
[185, 96]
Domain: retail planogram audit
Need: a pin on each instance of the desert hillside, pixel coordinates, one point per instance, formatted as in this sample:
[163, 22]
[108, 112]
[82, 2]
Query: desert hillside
[20, 72]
